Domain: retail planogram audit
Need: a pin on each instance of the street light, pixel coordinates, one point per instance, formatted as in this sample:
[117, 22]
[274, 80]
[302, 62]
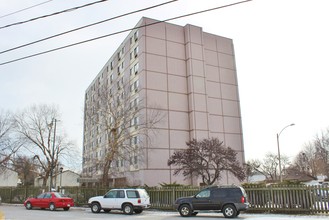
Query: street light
[277, 139]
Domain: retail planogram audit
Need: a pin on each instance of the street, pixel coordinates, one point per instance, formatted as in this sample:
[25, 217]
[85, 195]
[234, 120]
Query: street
[18, 212]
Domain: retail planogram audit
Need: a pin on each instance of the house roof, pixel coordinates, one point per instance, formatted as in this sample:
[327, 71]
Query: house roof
[296, 175]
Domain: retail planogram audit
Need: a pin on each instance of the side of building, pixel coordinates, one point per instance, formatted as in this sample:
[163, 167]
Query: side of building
[187, 75]
[8, 177]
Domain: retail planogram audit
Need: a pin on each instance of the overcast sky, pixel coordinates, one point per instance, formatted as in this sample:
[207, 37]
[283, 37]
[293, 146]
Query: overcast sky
[281, 49]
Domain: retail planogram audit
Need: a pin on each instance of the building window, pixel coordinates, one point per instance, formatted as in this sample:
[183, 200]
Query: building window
[118, 100]
[134, 121]
[119, 69]
[136, 36]
[110, 92]
[136, 67]
[111, 65]
[133, 160]
[120, 83]
[133, 141]
[136, 52]
[121, 53]
[134, 86]
[134, 103]
[119, 56]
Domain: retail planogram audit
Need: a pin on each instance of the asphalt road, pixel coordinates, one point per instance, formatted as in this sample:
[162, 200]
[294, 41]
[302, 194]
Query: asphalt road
[18, 212]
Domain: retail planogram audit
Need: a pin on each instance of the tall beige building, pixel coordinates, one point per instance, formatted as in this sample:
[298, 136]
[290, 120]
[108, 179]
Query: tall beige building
[187, 75]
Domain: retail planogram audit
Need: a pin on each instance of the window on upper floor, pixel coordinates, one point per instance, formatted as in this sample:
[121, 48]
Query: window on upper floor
[134, 103]
[134, 121]
[136, 52]
[136, 36]
[134, 86]
[136, 67]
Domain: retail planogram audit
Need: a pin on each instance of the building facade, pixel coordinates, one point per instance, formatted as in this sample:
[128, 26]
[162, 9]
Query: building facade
[186, 75]
[8, 177]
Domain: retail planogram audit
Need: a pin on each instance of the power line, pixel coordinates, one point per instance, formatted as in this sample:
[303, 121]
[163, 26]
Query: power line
[53, 14]
[24, 9]
[123, 31]
[86, 26]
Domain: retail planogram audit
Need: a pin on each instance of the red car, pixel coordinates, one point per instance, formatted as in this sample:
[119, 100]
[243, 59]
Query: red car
[51, 200]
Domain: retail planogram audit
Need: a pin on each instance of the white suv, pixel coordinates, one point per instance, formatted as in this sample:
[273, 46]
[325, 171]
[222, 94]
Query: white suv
[127, 200]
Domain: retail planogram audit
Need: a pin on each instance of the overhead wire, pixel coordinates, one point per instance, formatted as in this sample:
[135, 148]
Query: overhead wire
[123, 31]
[86, 26]
[53, 14]
[24, 9]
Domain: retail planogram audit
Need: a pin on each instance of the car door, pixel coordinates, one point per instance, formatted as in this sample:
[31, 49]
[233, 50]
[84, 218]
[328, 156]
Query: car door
[108, 201]
[201, 201]
[37, 201]
[120, 198]
[45, 201]
[219, 198]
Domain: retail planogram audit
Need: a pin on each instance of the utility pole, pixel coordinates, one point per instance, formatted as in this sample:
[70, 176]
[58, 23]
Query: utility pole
[52, 156]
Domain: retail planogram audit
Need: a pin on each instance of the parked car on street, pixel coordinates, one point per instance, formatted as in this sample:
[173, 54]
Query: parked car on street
[51, 200]
[229, 200]
[126, 200]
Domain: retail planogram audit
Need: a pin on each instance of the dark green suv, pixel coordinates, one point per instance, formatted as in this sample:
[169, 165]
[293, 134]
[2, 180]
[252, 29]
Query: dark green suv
[229, 200]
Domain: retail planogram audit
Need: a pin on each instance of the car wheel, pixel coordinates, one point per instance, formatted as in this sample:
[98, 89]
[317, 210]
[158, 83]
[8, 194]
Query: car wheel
[52, 207]
[229, 211]
[138, 211]
[107, 210]
[95, 207]
[185, 210]
[127, 209]
[28, 205]
[237, 213]
[66, 208]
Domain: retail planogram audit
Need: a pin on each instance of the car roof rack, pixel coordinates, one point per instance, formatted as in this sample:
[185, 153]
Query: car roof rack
[223, 186]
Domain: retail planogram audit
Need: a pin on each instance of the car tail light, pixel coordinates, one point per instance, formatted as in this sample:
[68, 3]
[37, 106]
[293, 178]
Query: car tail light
[243, 199]
[139, 201]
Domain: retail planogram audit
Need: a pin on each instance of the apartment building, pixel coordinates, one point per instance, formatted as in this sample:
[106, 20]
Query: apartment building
[187, 76]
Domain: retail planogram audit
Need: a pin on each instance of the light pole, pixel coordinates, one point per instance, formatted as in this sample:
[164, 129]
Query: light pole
[277, 139]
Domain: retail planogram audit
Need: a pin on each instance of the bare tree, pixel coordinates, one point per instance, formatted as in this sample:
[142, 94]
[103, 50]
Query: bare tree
[8, 145]
[313, 159]
[321, 144]
[118, 116]
[26, 169]
[269, 167]
[36, 127]
[206, 159]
